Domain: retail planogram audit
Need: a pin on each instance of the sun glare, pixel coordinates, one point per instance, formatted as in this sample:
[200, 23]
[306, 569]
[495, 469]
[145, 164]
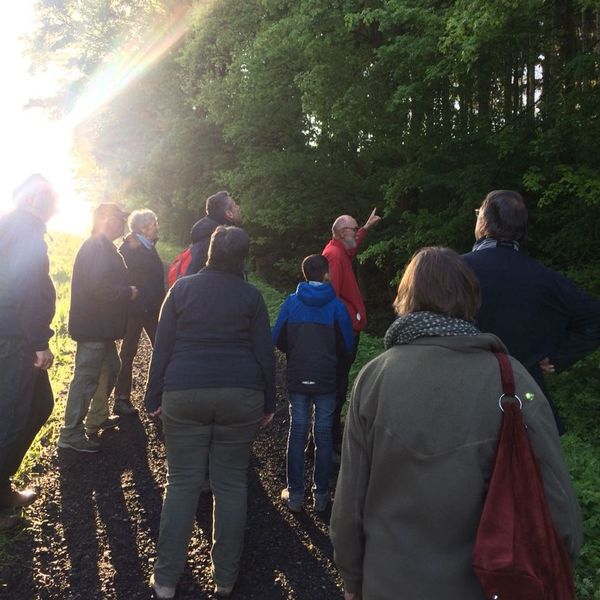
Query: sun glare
[32, 142]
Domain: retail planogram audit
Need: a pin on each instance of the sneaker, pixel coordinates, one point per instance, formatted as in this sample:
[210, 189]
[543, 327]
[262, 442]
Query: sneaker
[124, 407]
[108, 423]
[294, 503]
[321, 502]
[161, 592]
[81, 445]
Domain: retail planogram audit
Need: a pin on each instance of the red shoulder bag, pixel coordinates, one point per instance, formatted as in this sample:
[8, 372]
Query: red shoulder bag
[518, 555]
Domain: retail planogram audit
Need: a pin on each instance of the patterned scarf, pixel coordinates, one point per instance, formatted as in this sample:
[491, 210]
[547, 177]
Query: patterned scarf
[425, 324]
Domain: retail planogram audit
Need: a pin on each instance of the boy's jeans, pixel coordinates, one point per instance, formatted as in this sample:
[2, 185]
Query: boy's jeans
[300, 418]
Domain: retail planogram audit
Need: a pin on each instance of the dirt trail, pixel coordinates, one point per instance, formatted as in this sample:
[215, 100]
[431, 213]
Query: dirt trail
[93, 532]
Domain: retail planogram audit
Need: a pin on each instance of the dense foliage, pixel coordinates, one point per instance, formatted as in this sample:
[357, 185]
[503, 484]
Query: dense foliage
[308, 109]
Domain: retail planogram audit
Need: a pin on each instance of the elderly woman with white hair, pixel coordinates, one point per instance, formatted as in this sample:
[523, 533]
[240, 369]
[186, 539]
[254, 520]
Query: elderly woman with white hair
[146, 272]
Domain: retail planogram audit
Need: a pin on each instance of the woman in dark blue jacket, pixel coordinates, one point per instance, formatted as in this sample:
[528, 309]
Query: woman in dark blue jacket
[212, 380]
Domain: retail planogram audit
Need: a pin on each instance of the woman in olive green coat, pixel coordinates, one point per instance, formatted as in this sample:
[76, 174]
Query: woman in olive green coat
[420, 443]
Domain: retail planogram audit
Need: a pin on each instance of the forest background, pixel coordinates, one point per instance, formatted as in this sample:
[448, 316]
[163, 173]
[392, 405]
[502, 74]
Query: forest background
[307, 109]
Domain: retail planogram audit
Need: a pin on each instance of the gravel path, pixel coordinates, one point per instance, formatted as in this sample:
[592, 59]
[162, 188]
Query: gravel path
[93, 532]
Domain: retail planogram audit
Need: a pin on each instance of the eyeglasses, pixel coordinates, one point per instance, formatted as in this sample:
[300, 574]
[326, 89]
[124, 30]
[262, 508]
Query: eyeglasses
[355, 229]
[477, 211]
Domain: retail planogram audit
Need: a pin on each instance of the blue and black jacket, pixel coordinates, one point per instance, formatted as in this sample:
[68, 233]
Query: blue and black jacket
[313, 328]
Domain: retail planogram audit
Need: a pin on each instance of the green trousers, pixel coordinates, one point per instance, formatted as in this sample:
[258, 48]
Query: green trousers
[96, 369]
[218, 424]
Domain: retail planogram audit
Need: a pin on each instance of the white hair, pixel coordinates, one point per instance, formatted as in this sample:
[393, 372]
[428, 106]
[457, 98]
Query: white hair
[340, 223]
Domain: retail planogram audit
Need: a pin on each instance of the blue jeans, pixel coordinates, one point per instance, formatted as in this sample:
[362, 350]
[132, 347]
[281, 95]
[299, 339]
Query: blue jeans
[300, 420]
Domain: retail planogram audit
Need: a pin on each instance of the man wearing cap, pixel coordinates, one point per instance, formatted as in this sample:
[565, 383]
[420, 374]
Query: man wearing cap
[27, 303]
[100, 296]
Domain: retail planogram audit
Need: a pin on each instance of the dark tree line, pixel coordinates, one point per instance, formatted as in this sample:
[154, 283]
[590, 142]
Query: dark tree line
[306, 109]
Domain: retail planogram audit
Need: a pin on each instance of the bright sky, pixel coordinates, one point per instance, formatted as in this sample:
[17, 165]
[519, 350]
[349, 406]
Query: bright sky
[31, 142]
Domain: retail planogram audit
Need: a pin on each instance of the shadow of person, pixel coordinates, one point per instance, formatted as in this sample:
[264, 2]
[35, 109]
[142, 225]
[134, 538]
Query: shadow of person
[110, 508]
[285, 555]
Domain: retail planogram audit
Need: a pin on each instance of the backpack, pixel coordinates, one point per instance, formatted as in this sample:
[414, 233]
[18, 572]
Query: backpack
[178, 268]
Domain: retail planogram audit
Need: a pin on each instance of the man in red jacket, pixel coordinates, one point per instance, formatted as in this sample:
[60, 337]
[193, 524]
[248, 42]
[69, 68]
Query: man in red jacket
[346, 239]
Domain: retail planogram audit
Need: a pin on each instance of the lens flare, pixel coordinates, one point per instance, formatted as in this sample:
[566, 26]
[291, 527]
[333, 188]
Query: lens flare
[129, 64]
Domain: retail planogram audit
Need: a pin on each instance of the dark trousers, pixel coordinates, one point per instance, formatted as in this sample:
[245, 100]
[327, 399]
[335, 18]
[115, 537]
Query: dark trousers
[26, 402]
[129, 348]
[344, 365]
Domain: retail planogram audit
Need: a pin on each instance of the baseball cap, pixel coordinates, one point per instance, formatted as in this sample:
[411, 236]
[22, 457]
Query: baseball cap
[107, 210]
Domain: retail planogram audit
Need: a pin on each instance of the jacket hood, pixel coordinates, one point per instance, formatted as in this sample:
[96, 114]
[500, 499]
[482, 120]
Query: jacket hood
[204, 228]
[315, 295]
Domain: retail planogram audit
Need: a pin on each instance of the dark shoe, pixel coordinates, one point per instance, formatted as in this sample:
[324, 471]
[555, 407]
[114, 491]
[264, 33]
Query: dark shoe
[294, 503]
[124, 407]
[161, 592]
[108, 423]
[8, 522]
[10, 498]
[81, 445]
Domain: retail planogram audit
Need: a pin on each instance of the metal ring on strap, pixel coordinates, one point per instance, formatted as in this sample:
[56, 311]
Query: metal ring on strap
[505, 395]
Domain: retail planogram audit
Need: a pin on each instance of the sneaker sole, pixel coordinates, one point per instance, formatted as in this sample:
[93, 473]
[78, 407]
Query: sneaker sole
[66, 445]
[89, 432]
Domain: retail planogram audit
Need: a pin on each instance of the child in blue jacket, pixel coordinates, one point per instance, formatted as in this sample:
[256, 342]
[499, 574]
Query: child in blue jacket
[313, 328]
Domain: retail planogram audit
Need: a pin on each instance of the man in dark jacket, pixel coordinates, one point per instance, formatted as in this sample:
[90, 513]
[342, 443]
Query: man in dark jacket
[100, 297]
[221, 209]
[546, 322]
[146, 273]
[27, 303]
[314, 330]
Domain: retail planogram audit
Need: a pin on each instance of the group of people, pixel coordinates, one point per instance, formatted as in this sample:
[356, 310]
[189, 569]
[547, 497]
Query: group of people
[422, 424]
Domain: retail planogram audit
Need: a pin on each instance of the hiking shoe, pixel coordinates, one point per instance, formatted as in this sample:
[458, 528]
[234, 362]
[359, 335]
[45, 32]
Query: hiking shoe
[294, 503]
[321, 502]
[124, 407]
[108, 423]
[80, 445]
[10, 498]
[161, 592]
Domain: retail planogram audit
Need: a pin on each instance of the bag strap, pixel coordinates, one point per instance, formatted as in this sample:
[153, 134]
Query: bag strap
[506, 374]
[507, 378]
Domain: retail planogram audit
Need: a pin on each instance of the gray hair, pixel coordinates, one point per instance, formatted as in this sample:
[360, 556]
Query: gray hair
[140, 219]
